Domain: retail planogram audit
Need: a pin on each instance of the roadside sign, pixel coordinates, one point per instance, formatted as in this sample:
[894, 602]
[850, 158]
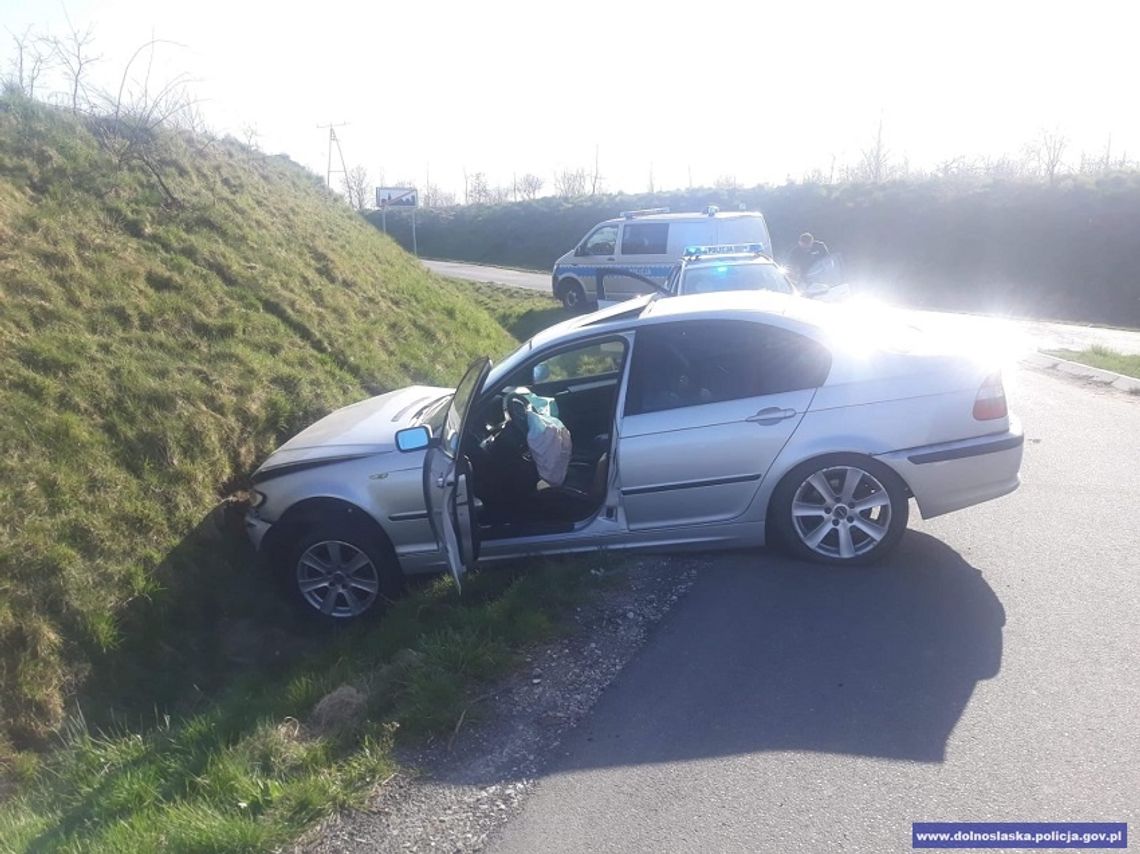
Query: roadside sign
[396, 197]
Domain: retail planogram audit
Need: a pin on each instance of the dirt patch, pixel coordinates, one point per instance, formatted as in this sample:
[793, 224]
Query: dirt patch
[455, 791]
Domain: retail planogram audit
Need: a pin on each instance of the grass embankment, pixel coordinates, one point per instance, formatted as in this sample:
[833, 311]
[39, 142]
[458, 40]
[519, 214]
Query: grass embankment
[164, 325]
[154, 346]
[252, 770]
[1104, 358]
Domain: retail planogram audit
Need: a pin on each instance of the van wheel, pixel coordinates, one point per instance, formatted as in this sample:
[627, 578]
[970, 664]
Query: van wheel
[573, 297]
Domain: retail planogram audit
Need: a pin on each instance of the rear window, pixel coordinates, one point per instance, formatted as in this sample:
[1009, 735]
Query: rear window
[708, 278]
[645, 238]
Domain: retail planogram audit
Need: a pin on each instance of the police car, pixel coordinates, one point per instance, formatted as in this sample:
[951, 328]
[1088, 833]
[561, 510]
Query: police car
[735, 267]
[646, 245]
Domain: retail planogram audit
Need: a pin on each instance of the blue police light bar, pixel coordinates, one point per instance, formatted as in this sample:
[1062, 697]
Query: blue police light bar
[725, 249]
[643, 212]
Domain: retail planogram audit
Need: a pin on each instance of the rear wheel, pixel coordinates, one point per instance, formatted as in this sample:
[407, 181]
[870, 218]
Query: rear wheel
[573, 297]
[339, 571]
[842, 510]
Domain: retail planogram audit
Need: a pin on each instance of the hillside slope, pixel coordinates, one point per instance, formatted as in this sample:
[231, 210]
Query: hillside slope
[162, 327]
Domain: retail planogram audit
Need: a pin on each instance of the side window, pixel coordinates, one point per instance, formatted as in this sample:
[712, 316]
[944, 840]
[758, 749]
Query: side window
[592, 360]
[686, 234]
[603, 241]
[648, 238]
[689, 364]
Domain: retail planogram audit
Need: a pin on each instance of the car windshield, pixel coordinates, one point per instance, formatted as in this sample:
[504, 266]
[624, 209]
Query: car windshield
[460, 401]
[708, 278]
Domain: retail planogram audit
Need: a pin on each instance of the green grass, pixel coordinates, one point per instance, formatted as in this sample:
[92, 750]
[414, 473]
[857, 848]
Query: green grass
[1104, 358]
[151, 353]
[247, 772]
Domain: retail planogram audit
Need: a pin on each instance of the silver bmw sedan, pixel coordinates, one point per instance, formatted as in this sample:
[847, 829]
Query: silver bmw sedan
[732, 419]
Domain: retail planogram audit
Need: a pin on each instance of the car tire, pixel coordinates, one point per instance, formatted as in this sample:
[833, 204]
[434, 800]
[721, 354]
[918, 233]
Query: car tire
[337, 571]
[840, 510]
[573, 297]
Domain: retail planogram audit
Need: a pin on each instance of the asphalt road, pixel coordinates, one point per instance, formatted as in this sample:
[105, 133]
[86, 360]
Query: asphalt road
[1016, 336]
[988, 672]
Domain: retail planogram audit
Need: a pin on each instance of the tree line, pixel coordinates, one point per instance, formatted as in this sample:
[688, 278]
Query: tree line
[1064, 250]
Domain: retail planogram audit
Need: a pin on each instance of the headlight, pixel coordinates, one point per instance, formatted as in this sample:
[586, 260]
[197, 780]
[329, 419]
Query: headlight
[256, 499]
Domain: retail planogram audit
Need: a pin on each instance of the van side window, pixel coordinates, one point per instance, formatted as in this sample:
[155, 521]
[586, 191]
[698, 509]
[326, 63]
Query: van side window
[709, 361]
[648, 238]
[603, 241]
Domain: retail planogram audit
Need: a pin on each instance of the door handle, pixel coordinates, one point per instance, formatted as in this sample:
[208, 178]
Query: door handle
[611, 259]
[441, 483]
[771, 415]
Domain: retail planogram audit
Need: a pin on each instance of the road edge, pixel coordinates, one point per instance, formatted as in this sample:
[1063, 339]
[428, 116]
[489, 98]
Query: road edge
[1084, 372]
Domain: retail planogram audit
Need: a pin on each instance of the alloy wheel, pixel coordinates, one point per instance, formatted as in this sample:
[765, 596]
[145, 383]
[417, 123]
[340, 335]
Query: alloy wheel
[337, 578]
[841, 512]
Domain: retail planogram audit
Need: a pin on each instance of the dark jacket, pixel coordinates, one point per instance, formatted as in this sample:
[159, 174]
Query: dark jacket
[802, 259]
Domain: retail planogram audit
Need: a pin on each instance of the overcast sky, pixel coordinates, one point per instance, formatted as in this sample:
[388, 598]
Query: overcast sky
[758, 90]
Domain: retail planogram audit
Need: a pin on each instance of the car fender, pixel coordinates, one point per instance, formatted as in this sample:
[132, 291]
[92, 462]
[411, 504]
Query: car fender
[804, 446]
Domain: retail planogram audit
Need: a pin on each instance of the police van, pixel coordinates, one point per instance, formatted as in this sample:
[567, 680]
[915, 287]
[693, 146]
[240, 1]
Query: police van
[648, 243]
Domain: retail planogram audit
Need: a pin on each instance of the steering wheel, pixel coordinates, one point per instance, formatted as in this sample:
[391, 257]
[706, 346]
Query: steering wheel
[516, 405]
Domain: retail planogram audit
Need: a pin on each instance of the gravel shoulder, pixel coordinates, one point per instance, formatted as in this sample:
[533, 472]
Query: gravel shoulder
[453, 793]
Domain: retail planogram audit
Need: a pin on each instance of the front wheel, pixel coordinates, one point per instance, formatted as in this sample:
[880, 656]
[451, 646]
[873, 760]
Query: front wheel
[339, 571]
[573, 297]
[842, 510]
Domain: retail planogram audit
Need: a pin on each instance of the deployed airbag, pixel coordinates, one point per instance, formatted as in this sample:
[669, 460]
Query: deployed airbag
[550, 446]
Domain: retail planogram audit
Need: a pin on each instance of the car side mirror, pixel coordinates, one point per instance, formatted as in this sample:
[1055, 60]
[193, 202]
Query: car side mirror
[580, 250]
[413, 438]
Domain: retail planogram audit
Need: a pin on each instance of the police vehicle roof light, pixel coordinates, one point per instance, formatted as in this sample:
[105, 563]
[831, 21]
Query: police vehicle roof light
[645, 212]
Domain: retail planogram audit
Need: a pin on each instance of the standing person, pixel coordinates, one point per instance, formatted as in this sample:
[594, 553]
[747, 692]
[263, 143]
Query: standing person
[806, 254]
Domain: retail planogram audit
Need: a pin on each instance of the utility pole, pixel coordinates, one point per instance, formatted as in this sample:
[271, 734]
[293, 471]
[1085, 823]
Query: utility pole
[334, 141]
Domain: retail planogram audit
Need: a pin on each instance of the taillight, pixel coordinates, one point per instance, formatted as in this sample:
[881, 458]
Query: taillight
[990, 402]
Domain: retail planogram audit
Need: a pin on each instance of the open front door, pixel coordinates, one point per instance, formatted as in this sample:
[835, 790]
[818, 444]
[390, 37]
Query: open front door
[448, 491]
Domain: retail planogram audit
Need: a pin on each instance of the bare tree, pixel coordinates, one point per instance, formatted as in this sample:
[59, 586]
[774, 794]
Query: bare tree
[651, 186]
[1046, 153]
[1097, 164]
[357, 188]
[434, 197]
[73, 52]
[1003, 167]
[595, 184]
[128, 127]
[250, 136]
[875, 161]
[530, 186]
[478, 192]
[498, 195]
[727, 182]
[570, 183]
[31, 60]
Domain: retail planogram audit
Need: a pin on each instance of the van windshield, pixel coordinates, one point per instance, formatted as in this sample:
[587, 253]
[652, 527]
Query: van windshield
[734, 277]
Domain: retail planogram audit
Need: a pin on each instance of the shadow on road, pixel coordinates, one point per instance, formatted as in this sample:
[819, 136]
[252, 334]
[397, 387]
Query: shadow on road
[769, 654]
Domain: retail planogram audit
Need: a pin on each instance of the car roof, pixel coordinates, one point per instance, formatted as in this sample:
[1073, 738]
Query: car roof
[691, 216]
[786, 310]
[748, 303]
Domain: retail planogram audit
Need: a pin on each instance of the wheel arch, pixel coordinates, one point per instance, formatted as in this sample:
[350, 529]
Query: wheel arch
[776, 479]
[565, 281]
[773, 529]
[303, 515]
